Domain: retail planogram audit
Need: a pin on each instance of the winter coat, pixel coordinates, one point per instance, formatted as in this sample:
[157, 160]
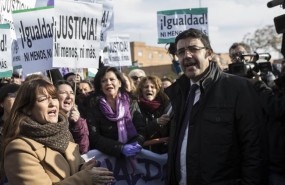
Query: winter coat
[226, 139]
[103, 133]
[80, 134]
[30, 162]
[153, 130]
[274, 107]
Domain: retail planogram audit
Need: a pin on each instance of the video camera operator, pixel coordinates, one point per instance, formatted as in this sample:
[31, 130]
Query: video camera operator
[237, 49]
[273, 102]
[274, 106]
[247, 64]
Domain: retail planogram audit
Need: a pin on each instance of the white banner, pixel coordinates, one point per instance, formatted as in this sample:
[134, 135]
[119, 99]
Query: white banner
[172, 22]
[34, 29]
[77, 34]
[5, 51]
[118, 52]
[147, 168]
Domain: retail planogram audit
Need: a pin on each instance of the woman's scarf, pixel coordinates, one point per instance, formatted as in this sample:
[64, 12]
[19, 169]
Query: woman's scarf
[53, 135]
[150, 106]
[122, 115]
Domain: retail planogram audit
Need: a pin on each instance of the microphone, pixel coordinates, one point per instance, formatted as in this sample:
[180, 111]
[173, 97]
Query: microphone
[273, 3]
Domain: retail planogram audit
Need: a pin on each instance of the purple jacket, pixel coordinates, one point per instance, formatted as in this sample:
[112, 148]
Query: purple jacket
[80, 133]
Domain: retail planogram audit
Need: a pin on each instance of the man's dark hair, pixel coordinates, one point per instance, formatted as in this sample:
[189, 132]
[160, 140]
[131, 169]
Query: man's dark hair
[68, 75]
[194, 33]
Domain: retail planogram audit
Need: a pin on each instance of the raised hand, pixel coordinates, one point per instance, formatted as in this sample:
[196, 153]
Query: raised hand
[74, 114]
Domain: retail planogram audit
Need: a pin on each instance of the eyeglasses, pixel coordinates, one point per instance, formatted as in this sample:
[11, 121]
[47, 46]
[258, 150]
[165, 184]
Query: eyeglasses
[191, 49]
[135, 78]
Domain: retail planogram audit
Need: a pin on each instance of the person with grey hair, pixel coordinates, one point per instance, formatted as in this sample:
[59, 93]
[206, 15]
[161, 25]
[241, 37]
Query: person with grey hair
[136, 75]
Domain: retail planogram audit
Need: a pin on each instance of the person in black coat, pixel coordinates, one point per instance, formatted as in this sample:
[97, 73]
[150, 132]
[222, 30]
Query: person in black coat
[223, 140]
[273, 101]
[114, 120]
[155, 107]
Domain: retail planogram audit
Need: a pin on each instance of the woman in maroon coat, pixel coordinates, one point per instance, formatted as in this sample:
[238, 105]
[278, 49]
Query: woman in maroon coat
[77, 125]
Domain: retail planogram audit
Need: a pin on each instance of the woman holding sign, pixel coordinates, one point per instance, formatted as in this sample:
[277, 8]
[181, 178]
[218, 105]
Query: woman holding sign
[37, 145]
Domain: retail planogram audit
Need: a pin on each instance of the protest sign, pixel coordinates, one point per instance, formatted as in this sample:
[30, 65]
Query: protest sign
[118, 51]
[7, 6]
[77, 34]
[107, 21]
[172, 22]
[147, 168]
[5, 51]
[34, 29]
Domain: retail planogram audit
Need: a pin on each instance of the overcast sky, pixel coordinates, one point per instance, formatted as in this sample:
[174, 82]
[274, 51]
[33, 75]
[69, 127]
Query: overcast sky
[229, 20]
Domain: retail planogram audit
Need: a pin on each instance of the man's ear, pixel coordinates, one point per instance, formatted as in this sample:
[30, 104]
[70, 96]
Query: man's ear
[210, 54]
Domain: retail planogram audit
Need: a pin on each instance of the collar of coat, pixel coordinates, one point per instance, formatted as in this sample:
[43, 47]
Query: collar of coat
[206, 81]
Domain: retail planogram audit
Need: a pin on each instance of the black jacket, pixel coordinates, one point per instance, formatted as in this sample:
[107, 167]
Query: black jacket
[153, 130]
[103, 133]
[225, 139]
[274, 107]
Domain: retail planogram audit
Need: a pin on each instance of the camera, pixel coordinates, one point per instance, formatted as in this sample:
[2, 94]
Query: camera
[259, 63]
[279, 21]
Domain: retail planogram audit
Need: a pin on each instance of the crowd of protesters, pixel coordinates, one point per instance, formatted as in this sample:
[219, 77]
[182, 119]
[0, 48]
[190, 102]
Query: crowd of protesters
[217, 128]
